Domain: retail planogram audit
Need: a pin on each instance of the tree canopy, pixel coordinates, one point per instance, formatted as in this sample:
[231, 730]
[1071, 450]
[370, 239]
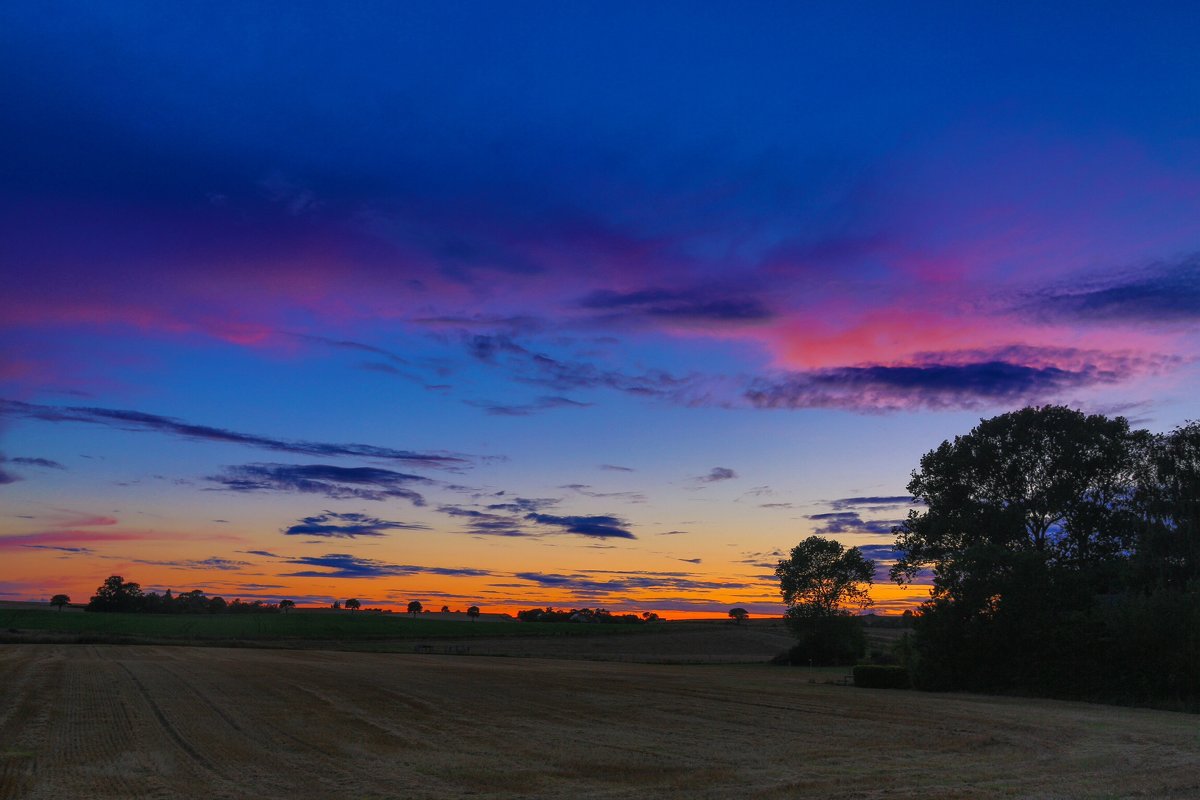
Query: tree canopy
[1051, 481]
[824, 578]
[1064, 551]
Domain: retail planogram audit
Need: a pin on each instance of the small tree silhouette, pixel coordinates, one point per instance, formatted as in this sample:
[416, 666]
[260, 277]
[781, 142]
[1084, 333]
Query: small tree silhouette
[473, 612]
[414, 607]
[286, 605]
[59, 600]
[739, 615]
[353, 604]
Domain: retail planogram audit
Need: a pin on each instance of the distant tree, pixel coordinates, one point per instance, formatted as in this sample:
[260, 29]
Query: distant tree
[286, 605]
[116, 595]
[217, 605]
[445, 609]
[353, 604]
[473, 613]
[650, 616]
[739, 615]
[414, 607]
[337, 605]
[60, 600]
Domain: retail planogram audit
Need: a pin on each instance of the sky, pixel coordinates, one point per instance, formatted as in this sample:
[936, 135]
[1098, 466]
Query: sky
[570, 304]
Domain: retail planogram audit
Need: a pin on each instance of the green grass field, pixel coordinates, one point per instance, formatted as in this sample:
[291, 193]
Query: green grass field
[346, 626]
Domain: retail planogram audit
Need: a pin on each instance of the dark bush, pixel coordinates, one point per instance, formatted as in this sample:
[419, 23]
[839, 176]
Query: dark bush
[880, 676]
[825, 640]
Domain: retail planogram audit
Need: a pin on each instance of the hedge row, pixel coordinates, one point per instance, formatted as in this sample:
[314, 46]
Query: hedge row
[879, 676]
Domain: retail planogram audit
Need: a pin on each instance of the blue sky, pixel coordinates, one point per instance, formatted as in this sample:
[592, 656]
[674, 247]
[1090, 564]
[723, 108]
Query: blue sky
[760, 258]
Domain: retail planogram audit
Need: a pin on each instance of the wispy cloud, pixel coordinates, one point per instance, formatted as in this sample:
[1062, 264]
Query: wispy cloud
[82, 551]
[541, 369]
[487, 523]
[873, 503]
[708, 305]
[140, 421]
[213, 563]
[37, 462]
[334, 525]
[1166, 292]
[338, 483]
[716, 475]
[544, 403]
[838, 522]
[586, 582]
[343, 565]
[587, 491]
[953, 380]
[70, 538]
[524, 505]
[596, 526]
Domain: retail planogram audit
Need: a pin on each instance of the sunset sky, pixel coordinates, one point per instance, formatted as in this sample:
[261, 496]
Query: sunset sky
[517, 304]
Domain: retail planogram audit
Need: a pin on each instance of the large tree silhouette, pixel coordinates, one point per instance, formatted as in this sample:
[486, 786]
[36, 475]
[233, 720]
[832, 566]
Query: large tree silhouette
[1064, 559]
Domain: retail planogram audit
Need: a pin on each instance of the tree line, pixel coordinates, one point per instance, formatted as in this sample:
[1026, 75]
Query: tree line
[1063, 551]
[117, 594]
[591, 615]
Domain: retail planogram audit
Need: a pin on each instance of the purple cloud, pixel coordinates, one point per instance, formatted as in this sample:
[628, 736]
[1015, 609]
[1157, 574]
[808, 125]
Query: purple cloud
[334, 525]
[338, 483]
[598, 526]
[344, 565]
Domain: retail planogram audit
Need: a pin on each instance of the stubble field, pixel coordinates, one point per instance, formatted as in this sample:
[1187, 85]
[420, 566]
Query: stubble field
[168, 722]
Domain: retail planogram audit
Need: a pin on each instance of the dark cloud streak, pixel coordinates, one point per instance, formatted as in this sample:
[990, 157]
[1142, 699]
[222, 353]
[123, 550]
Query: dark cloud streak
[331, 524]
[143, 422]
[338, 483]
[597, 526]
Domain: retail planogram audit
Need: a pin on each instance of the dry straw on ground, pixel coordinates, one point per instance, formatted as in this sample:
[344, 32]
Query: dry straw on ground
[156, 722]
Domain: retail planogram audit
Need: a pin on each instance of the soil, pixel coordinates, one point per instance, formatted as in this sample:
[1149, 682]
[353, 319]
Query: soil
[102, 721]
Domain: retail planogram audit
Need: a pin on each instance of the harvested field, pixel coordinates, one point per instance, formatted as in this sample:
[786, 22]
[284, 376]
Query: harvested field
[675, 643]
[163, 722]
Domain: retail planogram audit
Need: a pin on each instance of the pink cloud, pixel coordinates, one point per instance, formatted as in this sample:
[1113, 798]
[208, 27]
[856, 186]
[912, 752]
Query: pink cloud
[74, 537]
